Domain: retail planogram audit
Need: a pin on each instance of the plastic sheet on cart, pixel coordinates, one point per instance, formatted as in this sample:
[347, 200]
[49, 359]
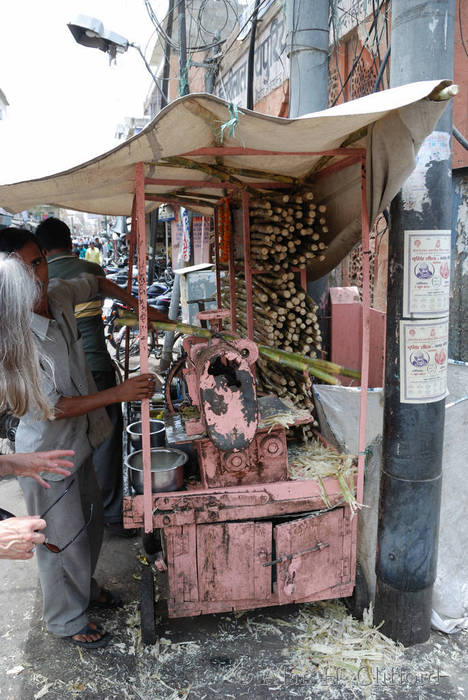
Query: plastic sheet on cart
[338, 411]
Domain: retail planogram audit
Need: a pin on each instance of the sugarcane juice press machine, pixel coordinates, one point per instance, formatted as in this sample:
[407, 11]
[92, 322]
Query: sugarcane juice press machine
[243, 536]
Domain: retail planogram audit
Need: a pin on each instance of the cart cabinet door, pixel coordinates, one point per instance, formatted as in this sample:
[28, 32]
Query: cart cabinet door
[309, 555]
[230, 559]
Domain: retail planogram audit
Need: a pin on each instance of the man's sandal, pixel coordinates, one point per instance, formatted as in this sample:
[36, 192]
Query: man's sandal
[87, 629]
[108, 600]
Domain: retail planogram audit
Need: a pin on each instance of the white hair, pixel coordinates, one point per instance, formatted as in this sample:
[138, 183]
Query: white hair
[21, 387]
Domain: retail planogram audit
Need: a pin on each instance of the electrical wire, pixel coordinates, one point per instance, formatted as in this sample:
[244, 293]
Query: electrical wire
[164, 36]
[461, 26]
[358, 58]
[331, 21]
[382, 68]
[159, 27]
[460, 138]
[355, 21]
[226, 51]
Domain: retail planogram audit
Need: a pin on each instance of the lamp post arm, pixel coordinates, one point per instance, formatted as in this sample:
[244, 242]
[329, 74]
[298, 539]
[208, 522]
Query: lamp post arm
[148, 68]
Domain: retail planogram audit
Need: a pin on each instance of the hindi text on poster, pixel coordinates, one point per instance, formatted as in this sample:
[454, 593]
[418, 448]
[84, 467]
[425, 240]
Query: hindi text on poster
[426, 274]
[423, 360]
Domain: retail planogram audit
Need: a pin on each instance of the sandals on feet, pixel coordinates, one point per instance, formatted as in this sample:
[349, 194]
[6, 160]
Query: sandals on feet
[87, 629]
[107, 600]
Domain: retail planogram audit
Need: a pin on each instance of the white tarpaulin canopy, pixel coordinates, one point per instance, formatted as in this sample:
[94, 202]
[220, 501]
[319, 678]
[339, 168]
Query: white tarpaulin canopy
[390, 125]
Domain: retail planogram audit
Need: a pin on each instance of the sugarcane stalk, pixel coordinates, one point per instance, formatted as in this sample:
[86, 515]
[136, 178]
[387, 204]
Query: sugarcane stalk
[293, 360]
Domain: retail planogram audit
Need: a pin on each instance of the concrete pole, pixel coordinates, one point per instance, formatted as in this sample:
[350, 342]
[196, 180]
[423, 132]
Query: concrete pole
[421, 49]
[308, 40]
[307, 24]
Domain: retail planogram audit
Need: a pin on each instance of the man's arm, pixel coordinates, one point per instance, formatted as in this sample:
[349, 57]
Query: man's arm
[110, 289]
[135, 389]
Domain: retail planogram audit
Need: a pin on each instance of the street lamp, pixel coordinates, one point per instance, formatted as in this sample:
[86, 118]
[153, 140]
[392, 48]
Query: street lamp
[89, 31]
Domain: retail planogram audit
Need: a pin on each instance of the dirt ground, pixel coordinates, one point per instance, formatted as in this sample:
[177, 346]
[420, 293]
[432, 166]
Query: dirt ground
[287, 652]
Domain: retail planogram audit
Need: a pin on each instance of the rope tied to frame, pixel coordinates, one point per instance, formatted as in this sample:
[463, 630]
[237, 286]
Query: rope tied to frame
[183, 77]
[232, 123]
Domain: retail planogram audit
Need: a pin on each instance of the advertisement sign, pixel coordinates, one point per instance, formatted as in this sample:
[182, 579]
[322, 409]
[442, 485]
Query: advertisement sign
[201, 240]
[423, 360]
[426, 291]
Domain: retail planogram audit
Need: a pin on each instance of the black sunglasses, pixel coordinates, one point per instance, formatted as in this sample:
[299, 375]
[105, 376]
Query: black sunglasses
[5, 514]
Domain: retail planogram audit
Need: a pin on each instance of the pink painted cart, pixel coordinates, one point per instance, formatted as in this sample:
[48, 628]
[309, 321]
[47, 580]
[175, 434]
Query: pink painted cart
[248, 537]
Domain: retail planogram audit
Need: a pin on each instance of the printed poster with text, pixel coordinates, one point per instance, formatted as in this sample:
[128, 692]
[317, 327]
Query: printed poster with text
[426, 274]
[423, 360]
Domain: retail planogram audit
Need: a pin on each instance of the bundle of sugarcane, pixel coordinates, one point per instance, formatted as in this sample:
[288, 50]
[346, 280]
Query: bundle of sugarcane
[284, 315]
[287, 231]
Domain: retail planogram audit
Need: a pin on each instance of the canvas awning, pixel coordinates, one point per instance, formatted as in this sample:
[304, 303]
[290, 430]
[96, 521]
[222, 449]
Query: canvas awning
[390, 125]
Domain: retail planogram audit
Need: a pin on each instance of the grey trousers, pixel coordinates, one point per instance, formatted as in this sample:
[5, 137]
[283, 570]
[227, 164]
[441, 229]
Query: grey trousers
[107, 458]
[67, 578]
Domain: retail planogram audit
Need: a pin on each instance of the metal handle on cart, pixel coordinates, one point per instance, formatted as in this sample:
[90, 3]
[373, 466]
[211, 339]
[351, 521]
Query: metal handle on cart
[288, 557]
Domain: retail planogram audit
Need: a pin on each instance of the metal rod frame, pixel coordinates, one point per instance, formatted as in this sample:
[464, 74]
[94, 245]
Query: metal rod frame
[239, 151]
[214, 184]
[131, 253]
[143, 326]
[217, 270]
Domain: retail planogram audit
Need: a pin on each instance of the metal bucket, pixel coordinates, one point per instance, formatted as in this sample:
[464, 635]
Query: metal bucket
[167, 469]
[157, 434]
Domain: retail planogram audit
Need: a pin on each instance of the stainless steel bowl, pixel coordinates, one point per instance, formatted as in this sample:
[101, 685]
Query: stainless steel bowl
[167, 469]
[157, 434]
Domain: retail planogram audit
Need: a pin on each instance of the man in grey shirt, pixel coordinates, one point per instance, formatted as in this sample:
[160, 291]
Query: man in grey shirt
[75, 522]
[54, 237]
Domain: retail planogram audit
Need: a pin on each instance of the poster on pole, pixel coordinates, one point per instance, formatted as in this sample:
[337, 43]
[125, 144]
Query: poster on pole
[423, 360]
[426, 291]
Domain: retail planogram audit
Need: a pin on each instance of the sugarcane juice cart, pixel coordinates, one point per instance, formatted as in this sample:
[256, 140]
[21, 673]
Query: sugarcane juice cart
[244, 534]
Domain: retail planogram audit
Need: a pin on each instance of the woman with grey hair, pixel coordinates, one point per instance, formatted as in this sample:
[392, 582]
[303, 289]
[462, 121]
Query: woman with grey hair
[20, 391]
[20, 379]
[75, 520]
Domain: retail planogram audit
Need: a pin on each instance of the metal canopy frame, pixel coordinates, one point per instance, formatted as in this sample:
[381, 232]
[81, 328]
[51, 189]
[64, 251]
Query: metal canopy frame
[350, 156]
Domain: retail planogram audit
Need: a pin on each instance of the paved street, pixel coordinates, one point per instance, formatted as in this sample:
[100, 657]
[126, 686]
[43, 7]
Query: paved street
[243, 655]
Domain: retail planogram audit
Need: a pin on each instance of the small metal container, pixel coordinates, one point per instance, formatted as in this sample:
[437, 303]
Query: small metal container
[167, 469]
[157, 434]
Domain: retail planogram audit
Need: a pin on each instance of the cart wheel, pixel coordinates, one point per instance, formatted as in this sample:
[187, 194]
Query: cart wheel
[148, 621]
[151, 543]
[175, 388]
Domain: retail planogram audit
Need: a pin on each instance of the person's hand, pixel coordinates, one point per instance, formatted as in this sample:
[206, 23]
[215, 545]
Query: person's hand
[18, 536]
[33, 463]
[136, 388]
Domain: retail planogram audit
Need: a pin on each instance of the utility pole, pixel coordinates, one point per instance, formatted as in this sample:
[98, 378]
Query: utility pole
[251, 57]
[167, 56]
[421, 49]
[166, 355]
[183, 68]
[308, 41]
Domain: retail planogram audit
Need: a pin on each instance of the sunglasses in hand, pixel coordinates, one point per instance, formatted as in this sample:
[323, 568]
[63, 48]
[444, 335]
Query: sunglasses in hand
[5, 514]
